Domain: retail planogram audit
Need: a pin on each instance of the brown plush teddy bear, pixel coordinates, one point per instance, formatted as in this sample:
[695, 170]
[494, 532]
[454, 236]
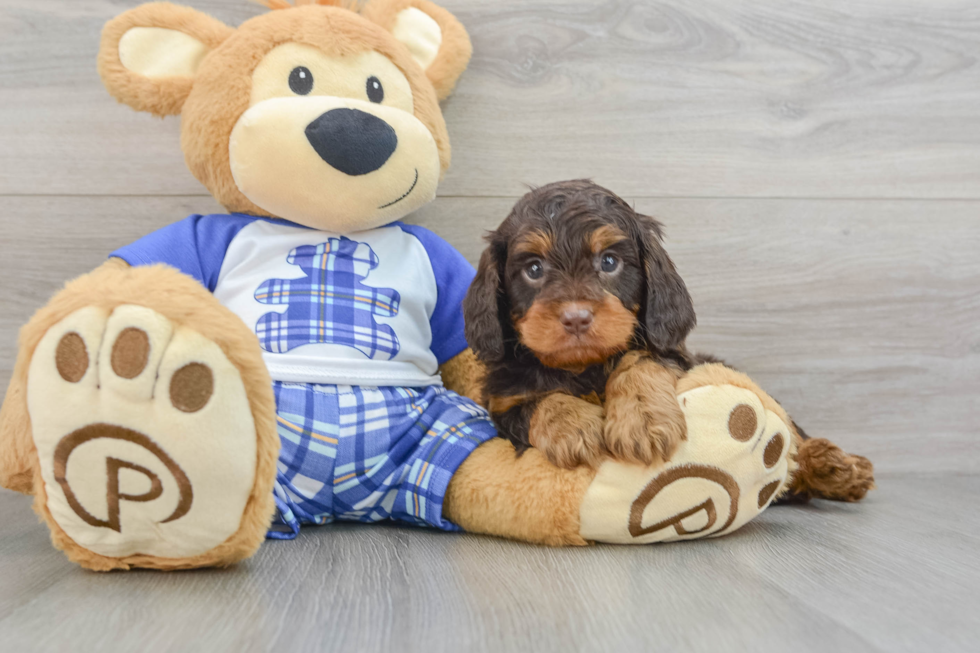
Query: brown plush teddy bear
[302, 358]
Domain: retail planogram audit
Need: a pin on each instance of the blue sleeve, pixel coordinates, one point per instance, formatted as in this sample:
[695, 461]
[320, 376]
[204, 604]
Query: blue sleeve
[454, 274]
[196, 246]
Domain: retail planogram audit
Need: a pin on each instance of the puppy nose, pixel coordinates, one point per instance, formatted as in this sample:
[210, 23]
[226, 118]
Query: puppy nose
[352, 141]
[576, 319]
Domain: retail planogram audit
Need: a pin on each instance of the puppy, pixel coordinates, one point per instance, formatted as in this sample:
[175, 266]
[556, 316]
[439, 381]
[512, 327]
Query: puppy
[580, 318]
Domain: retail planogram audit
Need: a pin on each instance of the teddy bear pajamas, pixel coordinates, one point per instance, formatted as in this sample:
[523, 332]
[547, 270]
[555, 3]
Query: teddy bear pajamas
[353, 329]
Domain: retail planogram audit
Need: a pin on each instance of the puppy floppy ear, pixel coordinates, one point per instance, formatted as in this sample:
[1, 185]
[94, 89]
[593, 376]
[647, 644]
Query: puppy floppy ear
[481, 307]
[149, 55]
[436, 40]
[668, 314]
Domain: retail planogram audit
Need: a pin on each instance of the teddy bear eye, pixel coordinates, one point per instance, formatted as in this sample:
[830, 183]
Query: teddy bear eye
[301, 80]
[375, 91]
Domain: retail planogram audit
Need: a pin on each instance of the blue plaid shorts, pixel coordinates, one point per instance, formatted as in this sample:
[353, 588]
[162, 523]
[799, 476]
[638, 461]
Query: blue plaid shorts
[367, 454]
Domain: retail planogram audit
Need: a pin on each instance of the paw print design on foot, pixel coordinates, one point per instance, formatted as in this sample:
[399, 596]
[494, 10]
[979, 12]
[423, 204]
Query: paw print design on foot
[735, 461]
[144, 434]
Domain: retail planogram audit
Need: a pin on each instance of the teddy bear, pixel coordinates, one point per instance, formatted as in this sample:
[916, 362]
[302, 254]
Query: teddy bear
[302, 358]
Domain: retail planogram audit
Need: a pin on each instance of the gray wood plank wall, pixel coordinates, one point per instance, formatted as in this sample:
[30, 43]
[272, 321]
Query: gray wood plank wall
[817, 165]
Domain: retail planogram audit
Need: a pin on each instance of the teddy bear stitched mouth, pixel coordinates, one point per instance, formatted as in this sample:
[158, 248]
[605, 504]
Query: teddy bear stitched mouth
[406, 194]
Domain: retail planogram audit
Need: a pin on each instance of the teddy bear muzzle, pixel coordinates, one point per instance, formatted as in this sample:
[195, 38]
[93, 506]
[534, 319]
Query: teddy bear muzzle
[333, 163]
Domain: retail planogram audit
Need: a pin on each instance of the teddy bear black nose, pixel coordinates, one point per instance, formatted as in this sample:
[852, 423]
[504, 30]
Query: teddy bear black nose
[352, 141]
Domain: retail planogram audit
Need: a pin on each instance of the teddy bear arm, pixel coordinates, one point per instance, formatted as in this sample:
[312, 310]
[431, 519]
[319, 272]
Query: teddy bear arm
[497, 492]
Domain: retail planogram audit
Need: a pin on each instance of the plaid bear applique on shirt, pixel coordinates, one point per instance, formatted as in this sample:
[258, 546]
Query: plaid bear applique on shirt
[331, 304]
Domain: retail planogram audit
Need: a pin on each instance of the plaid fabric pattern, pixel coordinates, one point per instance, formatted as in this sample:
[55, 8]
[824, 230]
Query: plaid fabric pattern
[331, 304]
[367, 454]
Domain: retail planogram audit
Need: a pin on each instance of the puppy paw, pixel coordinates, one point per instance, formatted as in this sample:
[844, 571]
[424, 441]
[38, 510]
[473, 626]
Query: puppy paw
[568, 431]
[644, 423]
[645, 429]
[828, 472]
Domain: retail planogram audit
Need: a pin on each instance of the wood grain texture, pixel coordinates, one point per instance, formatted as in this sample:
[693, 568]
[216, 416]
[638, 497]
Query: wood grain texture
[862, 317]
[898, 573]
[817, 165]
[700, 98]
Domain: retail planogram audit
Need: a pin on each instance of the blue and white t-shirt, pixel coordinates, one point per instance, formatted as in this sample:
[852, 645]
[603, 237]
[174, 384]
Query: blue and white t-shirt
[378, 307]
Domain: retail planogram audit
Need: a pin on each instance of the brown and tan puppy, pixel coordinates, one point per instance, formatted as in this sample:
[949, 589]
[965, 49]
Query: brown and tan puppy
[581, 319]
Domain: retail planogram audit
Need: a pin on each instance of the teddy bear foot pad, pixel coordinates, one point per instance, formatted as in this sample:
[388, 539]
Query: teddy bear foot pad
[734, 462]
[144, 436]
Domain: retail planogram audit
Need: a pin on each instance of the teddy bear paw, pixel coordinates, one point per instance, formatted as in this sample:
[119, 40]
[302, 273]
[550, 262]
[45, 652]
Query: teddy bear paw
[144, 435]
[734, 462]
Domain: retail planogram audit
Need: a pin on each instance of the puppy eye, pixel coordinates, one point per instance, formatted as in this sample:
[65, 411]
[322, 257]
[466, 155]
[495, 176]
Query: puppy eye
[375, 91]
[608, 263]
[534, 270]
[301, 80]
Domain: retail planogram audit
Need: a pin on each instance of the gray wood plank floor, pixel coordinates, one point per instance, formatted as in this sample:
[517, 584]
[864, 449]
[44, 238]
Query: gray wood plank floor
[898, 573]
[817, 165]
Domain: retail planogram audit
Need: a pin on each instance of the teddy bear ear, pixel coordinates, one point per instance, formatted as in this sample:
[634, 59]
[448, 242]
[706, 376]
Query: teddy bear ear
[149, 55]
[436, 40]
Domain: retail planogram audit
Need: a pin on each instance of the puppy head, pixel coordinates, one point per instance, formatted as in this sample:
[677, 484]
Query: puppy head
[575, 275]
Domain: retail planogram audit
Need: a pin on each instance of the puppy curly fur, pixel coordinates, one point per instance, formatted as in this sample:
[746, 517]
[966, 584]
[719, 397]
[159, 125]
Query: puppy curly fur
[580, 317]
[583, 357]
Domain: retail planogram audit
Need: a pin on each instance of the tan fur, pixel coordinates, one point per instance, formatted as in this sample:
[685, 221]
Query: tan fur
[18, 460]
[464, 374]
[498, 404]
[165, 96]
[454, 51]
[605, 237]
[568, 430]
[285, 4]
[827, 472]
[184, 302]
[522, 498]
[541, 331]
[533, 242]
[644, 422]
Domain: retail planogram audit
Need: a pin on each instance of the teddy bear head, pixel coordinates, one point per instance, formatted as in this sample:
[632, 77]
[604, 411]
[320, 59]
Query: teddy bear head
[313, 112]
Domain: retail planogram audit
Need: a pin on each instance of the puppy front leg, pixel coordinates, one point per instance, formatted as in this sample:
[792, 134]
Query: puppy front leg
[644, 422]
[566, 429]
